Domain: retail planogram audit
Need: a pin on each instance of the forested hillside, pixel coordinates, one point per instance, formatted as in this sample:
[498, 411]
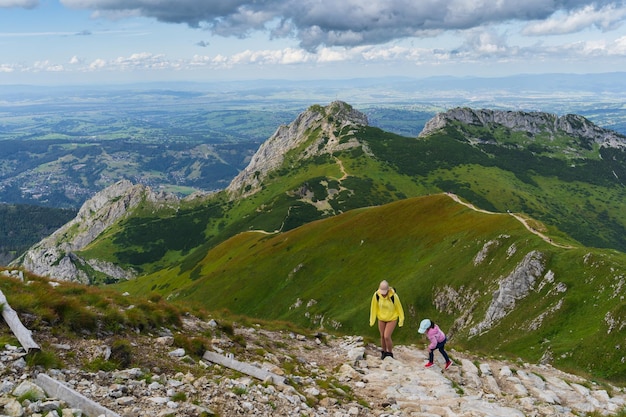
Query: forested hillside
[22, 225]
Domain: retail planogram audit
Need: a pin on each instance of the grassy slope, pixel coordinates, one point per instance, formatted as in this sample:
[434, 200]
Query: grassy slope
[580, 197]
[423, 246]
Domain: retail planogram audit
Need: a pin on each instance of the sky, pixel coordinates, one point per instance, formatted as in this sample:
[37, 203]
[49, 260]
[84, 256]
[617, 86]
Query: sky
[55, 42]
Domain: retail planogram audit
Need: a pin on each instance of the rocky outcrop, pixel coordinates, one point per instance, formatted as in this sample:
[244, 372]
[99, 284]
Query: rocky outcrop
[318, 130]
[57, 256]
[531, 122]
[512, 288]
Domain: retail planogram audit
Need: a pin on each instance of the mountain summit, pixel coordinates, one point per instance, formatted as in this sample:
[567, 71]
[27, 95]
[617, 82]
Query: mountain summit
[318, 130]
[58, 256]
[531, 123]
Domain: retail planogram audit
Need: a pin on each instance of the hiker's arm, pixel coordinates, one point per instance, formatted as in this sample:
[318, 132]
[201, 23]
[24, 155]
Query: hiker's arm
[400, 311]
[373, 310]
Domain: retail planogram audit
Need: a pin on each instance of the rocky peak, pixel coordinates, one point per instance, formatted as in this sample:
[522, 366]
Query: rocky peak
[328, 120]
[532, 122]
[56, 255]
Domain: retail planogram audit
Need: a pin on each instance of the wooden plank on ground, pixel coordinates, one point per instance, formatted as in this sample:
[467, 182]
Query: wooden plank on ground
[24, 336]
[230, 362]
[61, 391]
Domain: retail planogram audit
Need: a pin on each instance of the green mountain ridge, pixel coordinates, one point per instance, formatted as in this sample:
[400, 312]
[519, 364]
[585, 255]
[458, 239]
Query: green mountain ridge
[344, 205]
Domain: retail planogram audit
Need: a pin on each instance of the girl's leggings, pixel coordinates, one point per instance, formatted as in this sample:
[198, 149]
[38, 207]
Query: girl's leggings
[440, 348]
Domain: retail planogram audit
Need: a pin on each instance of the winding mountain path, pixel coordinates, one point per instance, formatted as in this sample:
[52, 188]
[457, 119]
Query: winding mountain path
[516, 216]
[342, 168]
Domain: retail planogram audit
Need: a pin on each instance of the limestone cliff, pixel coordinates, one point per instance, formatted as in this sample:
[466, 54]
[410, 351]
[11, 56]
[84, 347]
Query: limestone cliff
[326, 122]
[56, 256]
[517, 285]
[531, 122]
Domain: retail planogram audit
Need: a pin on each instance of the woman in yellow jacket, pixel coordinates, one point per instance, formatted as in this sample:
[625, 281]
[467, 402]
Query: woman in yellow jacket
[386, 307]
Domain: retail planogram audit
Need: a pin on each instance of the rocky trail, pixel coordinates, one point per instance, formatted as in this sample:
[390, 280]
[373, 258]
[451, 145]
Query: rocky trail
[321, 375]
[478, 387]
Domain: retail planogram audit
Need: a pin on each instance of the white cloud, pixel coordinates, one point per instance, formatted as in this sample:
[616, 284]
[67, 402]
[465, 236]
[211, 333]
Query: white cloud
[7, 68]
[294, 56]
[332, 55]
[485, 43]
[33, 34]
[287, 56]
[486, 47]
[46, 66]
[98, 64]
[605, 18]
[141, 60]
[21, 4]
[594, 48]
[618, 47]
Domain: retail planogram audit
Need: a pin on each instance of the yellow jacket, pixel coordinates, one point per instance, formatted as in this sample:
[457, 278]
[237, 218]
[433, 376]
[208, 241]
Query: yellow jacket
[387, 308]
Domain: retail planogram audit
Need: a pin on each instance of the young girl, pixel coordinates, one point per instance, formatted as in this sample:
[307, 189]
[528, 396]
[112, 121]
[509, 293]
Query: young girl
[437, 341]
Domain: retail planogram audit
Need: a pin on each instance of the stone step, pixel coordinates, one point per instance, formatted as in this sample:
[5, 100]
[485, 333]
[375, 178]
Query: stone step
[474, 389]
[536, 389]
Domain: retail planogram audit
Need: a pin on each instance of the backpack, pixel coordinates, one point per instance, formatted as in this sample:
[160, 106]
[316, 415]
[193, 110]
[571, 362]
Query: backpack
[393, 301]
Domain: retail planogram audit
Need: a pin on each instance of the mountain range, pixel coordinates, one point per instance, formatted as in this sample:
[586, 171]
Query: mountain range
[507, 227]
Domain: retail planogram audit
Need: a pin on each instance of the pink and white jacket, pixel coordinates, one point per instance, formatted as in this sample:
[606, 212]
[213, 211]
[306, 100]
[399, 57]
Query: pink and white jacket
[435, 335]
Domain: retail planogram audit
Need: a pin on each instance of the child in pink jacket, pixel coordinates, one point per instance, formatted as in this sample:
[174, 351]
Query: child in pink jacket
[437, 340]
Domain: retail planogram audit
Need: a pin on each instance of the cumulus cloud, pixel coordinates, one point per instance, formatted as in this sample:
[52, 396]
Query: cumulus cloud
[353, 23]
[46, 66]
[480, 46]
[6, 68]
[605, 18]
[619, 46]
[98, 64]
[287, 56]
[484, 43]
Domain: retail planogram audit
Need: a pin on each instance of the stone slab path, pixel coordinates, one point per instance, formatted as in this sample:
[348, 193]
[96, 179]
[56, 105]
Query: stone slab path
[472, 388]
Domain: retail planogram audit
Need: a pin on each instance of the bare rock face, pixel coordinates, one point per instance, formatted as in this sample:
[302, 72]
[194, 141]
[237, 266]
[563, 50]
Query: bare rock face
[56, 255]
[517, 285]
[532, 122]
[321, 123]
